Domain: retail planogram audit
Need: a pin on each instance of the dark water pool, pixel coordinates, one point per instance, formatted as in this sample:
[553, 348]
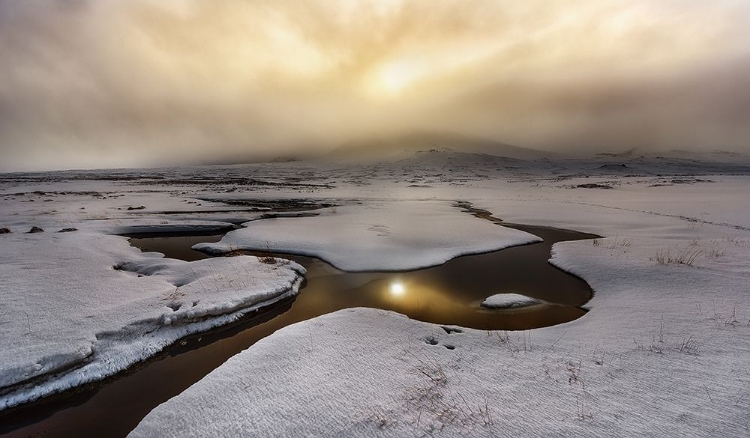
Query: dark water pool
[449, 294]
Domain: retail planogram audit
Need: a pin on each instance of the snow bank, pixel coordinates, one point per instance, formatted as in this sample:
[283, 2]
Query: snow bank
[377, 236]
[499, 301]
[77, 307]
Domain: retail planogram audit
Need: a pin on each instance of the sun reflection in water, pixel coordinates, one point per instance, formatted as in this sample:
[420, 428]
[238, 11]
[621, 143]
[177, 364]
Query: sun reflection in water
[397, 288]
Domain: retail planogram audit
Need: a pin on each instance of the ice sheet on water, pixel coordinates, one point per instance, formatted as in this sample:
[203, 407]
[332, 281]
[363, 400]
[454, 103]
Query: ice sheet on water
[87, 305]
[376, 236]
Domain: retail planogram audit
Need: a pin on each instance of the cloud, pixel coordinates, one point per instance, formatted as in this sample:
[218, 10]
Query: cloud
[127, 83]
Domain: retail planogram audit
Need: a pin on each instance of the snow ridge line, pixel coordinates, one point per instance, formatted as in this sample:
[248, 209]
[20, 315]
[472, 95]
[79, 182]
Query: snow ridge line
[674, 216]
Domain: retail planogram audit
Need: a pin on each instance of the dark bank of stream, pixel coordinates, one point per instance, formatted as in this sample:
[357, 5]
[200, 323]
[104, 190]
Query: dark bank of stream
[449, 294]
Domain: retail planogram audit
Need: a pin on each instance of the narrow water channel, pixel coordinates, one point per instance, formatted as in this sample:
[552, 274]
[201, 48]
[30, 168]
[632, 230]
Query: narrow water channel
[449, 294]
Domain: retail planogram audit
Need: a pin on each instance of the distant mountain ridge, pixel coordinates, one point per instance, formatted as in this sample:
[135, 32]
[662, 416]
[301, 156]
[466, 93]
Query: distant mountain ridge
[405, 146]
[708, 156]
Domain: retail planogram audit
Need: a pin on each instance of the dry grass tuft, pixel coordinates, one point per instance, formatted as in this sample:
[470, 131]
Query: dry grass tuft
[685, 257]
[621, 243]
[267, 259]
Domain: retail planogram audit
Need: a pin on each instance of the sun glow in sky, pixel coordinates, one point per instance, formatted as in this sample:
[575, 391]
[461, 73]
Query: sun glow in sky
[82, 81]
[394, 77]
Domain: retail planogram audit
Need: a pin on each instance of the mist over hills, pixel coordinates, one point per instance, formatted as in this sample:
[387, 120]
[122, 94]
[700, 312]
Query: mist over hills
[441, 150]
[450, 150]
[402, 146]
[391, 148]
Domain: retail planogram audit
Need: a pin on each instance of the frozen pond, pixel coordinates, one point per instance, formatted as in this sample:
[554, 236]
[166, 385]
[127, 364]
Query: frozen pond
[450, 294]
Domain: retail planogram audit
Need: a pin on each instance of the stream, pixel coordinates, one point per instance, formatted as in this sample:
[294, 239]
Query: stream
[449, 294]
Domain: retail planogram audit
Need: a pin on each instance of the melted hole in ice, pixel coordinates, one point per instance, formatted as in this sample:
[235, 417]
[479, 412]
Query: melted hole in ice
[174, 306]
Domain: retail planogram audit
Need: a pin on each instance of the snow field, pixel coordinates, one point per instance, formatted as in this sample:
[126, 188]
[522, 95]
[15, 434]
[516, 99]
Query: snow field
[662, 352]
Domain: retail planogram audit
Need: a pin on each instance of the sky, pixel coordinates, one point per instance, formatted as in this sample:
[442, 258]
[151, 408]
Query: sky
[127, 83]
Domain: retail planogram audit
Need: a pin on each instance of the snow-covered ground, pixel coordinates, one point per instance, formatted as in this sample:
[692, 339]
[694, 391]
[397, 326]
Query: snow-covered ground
[663, 350]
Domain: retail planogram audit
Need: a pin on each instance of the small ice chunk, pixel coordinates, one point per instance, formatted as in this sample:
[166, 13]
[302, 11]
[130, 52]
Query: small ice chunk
[509, 300]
